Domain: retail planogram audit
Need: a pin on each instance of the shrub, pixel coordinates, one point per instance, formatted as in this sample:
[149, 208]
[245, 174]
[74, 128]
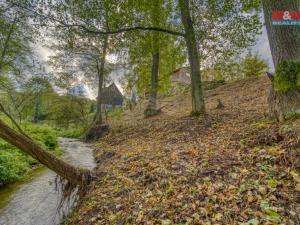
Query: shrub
[287, 76]
[14, 163]
[115, 114]
[253, 66]
[70, 133]
[43, 134]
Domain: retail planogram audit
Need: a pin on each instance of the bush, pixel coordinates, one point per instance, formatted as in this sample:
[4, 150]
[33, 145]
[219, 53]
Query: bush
[12, 163]
[253, 66]
[45, 135]
[287, 76]
[115, 114]
[70, 133]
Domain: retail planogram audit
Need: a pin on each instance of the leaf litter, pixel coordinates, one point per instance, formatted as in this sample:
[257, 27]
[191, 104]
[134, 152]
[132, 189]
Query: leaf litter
[232, 166]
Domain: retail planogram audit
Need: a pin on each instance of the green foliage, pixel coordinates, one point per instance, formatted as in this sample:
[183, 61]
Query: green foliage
[44, 135]
[14, 163]
[225, 28]
[292, 116]
[287, 76]
[253, 66]
[144, 45]
[228, 71]
[298, 80]
[115, 114]
[250, 66]
[70, 133]
[70, 112]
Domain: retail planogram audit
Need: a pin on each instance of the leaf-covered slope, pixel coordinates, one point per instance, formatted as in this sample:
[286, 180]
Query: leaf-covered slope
[233, 166]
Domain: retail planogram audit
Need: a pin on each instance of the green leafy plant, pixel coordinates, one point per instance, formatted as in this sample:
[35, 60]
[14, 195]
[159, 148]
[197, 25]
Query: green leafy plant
[14, 164]
[253, 66]
[287, 76]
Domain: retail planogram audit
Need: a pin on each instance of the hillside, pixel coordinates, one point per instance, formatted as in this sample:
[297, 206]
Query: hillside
[233, 166]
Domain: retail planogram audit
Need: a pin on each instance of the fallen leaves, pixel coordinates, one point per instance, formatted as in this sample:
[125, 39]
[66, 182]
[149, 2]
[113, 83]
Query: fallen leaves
[296, 177]
[237, 169]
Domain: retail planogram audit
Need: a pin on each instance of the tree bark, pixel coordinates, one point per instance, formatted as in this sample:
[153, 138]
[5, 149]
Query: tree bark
[63, 169]
[151, 109]
[2, 109]
[152, 106]
[198, 105]
[98, 117]
[37, 109]
[285, 46]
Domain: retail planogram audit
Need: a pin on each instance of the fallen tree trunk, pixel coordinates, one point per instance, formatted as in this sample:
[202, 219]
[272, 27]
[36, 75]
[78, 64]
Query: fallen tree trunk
[76, 176]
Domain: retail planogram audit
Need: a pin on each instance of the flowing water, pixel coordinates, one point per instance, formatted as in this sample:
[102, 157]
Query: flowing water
[35, 202]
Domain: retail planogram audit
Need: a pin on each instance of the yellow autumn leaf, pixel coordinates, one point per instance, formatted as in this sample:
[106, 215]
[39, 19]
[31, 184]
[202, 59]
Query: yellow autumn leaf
[296, 176]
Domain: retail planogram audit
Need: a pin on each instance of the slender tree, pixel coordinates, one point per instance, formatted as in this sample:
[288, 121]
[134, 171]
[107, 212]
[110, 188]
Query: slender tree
[198, 106]
[284, 98]
[100, 72]
[155, 18]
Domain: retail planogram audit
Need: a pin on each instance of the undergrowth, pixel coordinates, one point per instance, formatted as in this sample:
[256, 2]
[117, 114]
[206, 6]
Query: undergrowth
[14, 163]
[287, 76]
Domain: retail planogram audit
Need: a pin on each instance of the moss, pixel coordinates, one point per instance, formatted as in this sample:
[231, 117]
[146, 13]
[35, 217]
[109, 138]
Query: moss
[151, 112]
[287, 76]
[298, 80]
[292, 116]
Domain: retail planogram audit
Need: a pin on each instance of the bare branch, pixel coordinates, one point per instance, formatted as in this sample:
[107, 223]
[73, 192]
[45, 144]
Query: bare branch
[127, 29]
[101, 32]
[12, 119]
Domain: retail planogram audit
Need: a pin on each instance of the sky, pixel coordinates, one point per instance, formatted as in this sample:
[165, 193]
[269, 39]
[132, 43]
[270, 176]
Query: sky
[262, 47]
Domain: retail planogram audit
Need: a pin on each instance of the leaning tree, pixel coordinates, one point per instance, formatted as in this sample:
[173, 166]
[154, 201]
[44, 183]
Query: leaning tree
[284, 98]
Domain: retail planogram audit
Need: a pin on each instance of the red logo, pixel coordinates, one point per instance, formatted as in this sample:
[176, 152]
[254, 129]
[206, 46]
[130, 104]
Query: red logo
[286, 15]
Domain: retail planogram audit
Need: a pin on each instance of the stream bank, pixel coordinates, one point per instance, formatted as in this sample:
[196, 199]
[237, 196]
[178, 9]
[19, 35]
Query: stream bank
[36, 200]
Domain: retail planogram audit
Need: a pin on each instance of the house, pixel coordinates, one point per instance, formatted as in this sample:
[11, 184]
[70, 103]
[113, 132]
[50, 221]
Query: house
[181, 75]
[112, 97]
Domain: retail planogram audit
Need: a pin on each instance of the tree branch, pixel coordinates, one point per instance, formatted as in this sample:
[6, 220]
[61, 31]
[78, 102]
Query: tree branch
[101, 32]
[12, 119]
[127, 29]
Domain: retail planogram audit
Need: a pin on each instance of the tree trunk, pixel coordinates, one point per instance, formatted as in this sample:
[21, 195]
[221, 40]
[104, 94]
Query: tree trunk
[152, 108]
[63, 169]
[98, 117]
[198, 106]
[285, 46]
[37, 109]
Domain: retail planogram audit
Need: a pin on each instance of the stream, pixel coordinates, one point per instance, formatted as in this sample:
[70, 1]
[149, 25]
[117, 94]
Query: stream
[35, 202]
